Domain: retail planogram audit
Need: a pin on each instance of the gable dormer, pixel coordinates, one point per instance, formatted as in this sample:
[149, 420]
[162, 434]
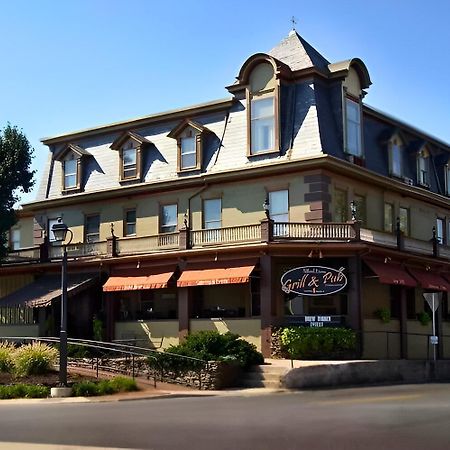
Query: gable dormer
[189, 136]
[71, 158]
[396, 154]
[130, 146]
[423, 165]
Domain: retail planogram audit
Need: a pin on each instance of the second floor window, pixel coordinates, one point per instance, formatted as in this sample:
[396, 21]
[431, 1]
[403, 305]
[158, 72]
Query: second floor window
[92, 233]
[130, 222]
[129, 162]
[15, 239]
[340, 206]
[188, 152]
[404, 220]
[423, 176]
[168, 218]
[70, 173]
[353, 128]
[440, 230]
[388, 217]
[212, 214]
[279, 206]
[359, 202]
[262, 113]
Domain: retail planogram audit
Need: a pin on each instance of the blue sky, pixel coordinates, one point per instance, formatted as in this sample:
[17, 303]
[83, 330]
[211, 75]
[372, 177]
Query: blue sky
[68, 65]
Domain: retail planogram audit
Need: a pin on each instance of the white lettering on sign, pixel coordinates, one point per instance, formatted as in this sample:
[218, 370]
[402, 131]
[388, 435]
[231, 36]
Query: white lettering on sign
[310, 318]
[316, 324]
[324, 318]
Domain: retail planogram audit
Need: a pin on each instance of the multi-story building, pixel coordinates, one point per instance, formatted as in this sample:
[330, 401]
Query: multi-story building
[196, 218]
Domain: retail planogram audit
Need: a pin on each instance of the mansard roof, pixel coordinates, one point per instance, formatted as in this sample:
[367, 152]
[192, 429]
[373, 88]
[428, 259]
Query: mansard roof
[79, 151]
[342, 68]
[298, 54]
[117, 144]
[184, 124]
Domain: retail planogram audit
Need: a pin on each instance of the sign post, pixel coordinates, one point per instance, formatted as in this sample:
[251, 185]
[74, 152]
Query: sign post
[433, 299]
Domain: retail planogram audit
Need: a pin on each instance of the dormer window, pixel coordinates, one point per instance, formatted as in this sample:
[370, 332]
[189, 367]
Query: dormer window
[423, 168]
[189, 136]
[447, 179]
[353, 144]
[71, 158]
[396, 157]
[130, 145]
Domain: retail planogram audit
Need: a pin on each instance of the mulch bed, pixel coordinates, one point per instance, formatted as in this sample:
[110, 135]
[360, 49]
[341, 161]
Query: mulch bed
[50, 379]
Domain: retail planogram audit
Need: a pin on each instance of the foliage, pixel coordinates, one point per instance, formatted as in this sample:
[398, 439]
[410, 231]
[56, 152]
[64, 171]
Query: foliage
[104, 387]
[318, 343]
[210, 346]
[24, 390]
[15, 176]
[424, 318]
[78, 351]
[34, 359]
[384, 314]
[97, 329]
[6, 357]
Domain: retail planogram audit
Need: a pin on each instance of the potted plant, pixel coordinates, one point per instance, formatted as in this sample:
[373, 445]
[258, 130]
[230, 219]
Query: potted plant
[384, 314]
[424, 318]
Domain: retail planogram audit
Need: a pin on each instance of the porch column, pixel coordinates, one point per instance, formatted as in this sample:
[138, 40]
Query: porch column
[403, 324]
[266, 304]
[184, 311]
[355, 319]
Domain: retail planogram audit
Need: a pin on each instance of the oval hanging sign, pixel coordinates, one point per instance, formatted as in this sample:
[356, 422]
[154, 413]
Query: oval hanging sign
[313, 280]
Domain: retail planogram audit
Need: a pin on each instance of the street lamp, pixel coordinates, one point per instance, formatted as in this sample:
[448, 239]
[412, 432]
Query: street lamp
[266, 206]
[60, 230]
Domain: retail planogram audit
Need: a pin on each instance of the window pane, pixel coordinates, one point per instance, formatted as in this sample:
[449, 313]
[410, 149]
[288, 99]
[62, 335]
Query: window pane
[396, 160]
[353, 111]
[404, 220]
[360, 204]
[70, 181]
[187, 145]
[262, 125]
[353, 128]
[130, 226]
[15, 239]
[212, 213]
[340, 206]
[169, 218]
[129, 156]
[188, 160]
[93, 228]
[388, 217]
[279, 205]
[440, 230]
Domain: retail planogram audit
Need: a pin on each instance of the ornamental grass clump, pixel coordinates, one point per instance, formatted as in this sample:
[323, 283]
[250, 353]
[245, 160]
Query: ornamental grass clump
[6, 357]
[34, 359]
[23, 391]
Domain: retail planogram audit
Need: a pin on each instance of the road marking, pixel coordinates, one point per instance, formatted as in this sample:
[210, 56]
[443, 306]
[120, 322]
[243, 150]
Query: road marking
[387, 398]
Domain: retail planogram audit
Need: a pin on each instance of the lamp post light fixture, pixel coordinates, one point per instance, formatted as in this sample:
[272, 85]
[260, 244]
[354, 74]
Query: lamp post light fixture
[60, 230]
[266, 206]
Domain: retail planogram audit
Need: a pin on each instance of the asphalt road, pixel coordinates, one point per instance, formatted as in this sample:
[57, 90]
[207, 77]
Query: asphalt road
[394, 417]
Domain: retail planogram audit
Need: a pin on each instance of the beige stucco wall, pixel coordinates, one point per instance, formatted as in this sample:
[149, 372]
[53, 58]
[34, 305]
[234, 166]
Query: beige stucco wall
[12, 283]
[374, 296]
[19, 330]
[378, 344]
[153, 332]
[249, 329]
[25, 225]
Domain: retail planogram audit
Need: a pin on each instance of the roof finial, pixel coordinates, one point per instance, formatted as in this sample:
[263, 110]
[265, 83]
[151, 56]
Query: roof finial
[294, 21]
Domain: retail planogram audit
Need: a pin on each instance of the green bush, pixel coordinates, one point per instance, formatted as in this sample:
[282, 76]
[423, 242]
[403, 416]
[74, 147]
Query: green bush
[209, 346]
[384, 314]
[77, 351]
[34, 359]
[318, 343]
[6, 357]
[24, 390]
[424, 318]
[104, 387]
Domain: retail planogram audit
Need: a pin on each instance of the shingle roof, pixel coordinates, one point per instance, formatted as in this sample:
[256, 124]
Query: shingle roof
[298, 54]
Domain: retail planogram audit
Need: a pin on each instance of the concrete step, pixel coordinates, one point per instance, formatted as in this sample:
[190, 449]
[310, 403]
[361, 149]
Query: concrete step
[259, 383]
[262, 376]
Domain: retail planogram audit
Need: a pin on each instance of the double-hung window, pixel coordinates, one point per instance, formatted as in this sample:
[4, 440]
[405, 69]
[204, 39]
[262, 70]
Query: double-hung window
[262, 113]
[212, 219]
[168, 218]
[423, 176]
[388, 217]
[188, 152]
[92, 233]
[396, 159]
[70, 173]
[15, 239]
[340, 205]
[129, 162]
[353, 128]
[360, 208]
[130, 222]
[279, 211]
[440, 230]
[404, 220]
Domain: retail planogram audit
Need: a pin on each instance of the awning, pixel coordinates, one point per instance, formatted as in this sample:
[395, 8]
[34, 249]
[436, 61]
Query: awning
[391, 273]
[43, 291]
[136, 283]
[219, 275]
[430, 280]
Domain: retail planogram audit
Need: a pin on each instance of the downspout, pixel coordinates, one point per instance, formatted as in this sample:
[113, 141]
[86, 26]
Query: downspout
[189, 218]
[222, 138]
[294, 113]
[436, 175]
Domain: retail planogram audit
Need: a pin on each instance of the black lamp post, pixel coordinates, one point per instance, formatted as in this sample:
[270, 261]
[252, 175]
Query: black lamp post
[266, 206]
[60, 230]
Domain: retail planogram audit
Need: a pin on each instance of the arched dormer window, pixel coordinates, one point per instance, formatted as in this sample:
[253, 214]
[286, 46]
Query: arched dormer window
[129, 146]
[189, 136]
[71, 167]
[396, 156]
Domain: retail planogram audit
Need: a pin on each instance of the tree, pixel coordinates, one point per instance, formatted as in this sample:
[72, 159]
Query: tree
[15, 176]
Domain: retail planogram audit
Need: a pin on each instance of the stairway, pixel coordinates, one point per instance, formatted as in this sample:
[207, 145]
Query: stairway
[266, 375]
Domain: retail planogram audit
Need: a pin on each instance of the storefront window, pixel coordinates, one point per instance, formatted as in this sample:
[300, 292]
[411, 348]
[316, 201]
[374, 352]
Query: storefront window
[148, 305]
[222, 301]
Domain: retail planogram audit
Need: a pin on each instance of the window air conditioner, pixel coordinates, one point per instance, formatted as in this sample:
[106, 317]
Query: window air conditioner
[408, 181]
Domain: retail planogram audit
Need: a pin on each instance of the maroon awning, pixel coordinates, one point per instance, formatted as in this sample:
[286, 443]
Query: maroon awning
[430, 280]
[391, 273]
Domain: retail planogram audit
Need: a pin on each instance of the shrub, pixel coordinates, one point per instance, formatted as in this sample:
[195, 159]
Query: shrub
[6, 360]
[104, 387]
[210, 346]
[424, 318]
[34, 359]
[311, 343]
[24, 390]
[384, 314]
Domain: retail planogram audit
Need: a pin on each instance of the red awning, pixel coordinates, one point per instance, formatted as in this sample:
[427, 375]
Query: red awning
[430, 280]
[136, 283]
[221, 275]
[391, 273]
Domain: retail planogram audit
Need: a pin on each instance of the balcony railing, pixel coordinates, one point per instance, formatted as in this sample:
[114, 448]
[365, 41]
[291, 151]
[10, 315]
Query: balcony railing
[146, 244]
[228, 235]
[78, 250]
[314, 231]
[29, 254]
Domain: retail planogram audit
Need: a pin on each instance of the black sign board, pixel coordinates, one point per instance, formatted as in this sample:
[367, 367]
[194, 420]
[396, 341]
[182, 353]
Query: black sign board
[313, 280]
[315, 321]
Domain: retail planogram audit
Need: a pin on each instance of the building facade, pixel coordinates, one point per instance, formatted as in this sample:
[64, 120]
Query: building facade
[200, 218]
